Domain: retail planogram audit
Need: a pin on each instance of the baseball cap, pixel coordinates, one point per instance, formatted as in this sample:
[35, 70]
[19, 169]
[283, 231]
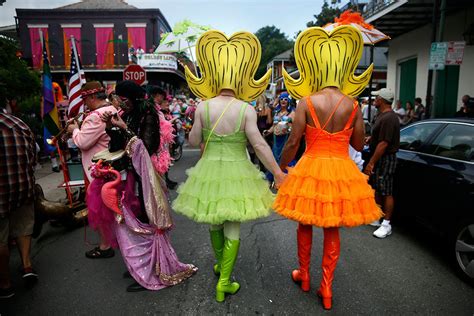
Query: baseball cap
[385, 94]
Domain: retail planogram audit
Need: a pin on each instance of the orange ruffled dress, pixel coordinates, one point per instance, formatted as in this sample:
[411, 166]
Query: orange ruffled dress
[326, 188]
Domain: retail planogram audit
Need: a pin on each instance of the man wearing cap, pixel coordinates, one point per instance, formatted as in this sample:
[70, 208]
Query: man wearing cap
[91, 138]
[384, 144]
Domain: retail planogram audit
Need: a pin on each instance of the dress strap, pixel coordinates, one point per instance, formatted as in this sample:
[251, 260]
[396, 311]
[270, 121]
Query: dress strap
[333, 111]
[208, 118]
[312, 112]
[351, 118]
[241, 116]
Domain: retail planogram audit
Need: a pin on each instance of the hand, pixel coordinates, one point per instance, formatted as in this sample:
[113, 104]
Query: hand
[71, 127]
[116, 120]
[367, 140]
[279, 179]
[106, 116]
[265, 133]
[369, 169]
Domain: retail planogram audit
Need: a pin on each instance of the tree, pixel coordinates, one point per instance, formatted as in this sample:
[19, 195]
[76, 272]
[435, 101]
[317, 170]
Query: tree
[273, 42]
[326, 16]
[17, 82]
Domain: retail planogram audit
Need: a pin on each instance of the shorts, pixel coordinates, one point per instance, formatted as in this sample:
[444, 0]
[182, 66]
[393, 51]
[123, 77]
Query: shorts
[382, 179]
[18, 223]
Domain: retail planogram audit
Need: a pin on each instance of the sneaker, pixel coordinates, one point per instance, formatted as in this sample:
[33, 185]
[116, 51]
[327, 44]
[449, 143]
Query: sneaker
[29, 276]
[375, 223]
[383, 231]
[7, 293]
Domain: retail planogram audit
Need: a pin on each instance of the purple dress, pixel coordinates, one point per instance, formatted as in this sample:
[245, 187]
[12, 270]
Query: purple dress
[146, 248]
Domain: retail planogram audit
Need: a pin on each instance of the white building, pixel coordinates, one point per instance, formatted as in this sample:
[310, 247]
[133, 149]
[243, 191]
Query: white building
[409, 23]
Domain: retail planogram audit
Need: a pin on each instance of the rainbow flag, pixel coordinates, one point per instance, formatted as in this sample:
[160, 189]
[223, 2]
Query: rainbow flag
[49, 109]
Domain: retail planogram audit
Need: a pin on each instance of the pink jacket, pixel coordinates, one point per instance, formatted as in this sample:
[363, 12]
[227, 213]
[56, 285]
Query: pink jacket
[91, 138]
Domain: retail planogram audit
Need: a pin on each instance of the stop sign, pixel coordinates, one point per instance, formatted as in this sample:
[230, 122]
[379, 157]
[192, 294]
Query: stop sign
[135, 73]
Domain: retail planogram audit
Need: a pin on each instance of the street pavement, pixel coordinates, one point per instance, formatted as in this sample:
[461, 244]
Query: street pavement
[404, 274]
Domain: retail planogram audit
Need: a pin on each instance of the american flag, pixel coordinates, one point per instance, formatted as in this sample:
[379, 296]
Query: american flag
[76, 104]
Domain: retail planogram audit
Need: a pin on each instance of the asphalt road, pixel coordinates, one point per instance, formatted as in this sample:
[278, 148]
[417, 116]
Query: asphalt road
[404, 274]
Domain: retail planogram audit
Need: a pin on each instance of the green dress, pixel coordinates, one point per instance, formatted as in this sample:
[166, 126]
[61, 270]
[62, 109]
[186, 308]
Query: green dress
[224, 185]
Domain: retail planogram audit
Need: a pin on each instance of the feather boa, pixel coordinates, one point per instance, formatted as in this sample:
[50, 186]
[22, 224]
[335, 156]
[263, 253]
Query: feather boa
[161, 160]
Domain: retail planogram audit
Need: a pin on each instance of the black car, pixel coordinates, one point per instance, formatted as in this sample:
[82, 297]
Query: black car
[434, 183]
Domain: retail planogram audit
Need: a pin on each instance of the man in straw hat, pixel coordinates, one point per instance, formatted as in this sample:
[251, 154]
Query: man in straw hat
[91, 138]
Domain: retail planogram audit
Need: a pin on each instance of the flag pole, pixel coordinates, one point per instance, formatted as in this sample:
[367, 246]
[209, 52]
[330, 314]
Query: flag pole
[76, 57]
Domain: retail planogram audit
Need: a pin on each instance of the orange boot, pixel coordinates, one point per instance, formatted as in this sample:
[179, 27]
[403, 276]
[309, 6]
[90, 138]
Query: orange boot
[304, 238]
[332, 249]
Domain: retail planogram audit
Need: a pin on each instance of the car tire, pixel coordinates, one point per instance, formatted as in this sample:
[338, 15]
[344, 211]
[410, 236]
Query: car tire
[463, 248]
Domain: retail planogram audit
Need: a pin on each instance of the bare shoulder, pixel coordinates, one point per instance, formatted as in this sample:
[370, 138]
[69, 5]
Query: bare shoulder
[249, 111]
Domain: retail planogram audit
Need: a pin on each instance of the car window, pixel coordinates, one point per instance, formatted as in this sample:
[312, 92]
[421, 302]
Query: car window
[456, 141]
[413, 137]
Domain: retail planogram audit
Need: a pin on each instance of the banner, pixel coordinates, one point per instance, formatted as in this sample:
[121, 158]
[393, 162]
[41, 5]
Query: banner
[137, 38]
[160, 61]
[36, 48]
[104, 42]
[67, 32]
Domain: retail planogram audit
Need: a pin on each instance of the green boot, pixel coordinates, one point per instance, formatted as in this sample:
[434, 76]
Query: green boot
[217, 242]
[229, 256]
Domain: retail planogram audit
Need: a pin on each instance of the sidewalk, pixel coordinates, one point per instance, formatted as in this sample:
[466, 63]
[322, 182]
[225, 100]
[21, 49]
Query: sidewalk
[50, 181]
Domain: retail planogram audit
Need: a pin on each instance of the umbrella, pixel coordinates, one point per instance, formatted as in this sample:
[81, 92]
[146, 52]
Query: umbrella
[370, 36]
[182, 38]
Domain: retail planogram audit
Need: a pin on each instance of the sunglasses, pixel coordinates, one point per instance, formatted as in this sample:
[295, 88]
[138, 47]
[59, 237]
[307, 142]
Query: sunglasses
[284, 99]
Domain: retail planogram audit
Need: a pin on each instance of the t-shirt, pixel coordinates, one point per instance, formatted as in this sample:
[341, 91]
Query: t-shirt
[401, 113]
[386, 128]
[365, 113]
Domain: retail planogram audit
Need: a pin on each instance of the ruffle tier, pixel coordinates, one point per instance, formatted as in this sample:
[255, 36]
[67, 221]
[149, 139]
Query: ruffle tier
[327, 192]
[217, 191]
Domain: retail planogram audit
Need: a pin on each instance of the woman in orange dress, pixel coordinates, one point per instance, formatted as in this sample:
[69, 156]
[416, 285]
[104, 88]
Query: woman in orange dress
[325, 188]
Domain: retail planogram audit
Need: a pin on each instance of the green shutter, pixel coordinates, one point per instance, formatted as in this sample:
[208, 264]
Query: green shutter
[407, 81]
[446, 92]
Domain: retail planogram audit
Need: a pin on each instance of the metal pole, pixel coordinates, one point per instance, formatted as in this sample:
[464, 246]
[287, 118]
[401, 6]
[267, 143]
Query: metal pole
[76, 56]
[370, 85]
[442, 19]
[429, 87]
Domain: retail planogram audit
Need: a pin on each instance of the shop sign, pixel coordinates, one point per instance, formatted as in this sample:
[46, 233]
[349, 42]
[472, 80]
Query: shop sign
[159, 61]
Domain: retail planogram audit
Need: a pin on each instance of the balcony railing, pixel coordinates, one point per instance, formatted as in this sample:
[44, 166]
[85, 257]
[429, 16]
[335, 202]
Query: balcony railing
[375, 6]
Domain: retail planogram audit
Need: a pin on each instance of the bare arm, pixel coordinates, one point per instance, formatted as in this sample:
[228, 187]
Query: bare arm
[263, 151]
[358, 133]
[297, 130]
[379, 151]
[195, 136]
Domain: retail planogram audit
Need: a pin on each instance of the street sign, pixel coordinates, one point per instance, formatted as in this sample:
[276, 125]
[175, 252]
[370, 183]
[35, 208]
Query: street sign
[455, 53]
[134, 73]
[438, 55]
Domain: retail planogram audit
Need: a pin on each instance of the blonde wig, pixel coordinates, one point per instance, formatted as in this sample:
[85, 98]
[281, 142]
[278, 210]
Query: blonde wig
[228, 63]
[328, 59]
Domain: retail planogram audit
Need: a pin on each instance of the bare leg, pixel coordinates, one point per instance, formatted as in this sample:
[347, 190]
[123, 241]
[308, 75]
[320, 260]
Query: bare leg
[103, 244]
[388, 204]
[24, 247]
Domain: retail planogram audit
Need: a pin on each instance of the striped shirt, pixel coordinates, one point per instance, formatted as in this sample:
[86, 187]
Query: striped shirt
[17, 161]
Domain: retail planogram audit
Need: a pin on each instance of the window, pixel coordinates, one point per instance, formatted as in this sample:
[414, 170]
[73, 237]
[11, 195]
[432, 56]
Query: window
[413, 137]
[456, 141]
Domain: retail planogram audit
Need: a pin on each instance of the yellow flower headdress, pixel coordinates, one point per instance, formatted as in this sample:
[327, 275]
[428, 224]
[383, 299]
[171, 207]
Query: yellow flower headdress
[228, 63]
[328, 59]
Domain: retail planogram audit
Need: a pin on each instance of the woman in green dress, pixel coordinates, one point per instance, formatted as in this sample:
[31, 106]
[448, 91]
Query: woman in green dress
[225, 188]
